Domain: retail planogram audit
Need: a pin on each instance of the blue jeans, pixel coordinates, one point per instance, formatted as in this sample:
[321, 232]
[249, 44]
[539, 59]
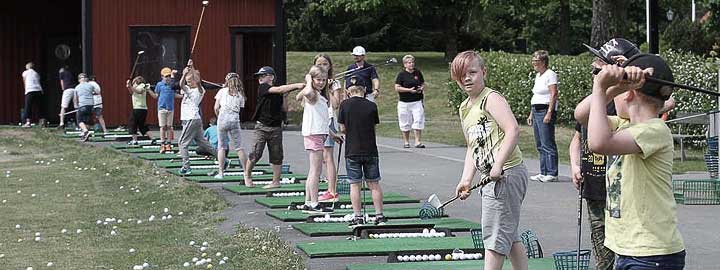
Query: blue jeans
[663, 262]
[545, 142]
[361, 168]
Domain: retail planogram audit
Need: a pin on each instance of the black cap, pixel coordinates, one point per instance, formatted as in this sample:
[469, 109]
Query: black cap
[614, 47]
[661, 70]
[265, 70]
[355, 81]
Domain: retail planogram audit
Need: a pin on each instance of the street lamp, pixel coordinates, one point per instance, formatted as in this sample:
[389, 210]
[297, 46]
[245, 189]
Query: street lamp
[670, 14]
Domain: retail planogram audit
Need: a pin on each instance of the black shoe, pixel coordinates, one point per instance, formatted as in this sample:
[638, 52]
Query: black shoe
[357, 221]
[380, 219]
[85, 136]
[317, 209]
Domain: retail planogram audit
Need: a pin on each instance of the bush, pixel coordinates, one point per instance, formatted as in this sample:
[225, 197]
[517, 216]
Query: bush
[513, 76]
[685, 35]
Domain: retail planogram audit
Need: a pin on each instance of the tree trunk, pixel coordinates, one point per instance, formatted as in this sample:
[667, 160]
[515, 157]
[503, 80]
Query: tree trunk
[608, 21]
[564, 27]
[451, 38]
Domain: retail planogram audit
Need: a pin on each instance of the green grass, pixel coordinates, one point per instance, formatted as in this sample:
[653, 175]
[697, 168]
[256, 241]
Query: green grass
[83, 196]
[442, 125]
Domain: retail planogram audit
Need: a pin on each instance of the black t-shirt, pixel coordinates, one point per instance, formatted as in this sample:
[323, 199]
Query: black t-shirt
[410, 80]
[364, 76]
[269, 107]
[593, 165]
[359, 116]
[68, 79]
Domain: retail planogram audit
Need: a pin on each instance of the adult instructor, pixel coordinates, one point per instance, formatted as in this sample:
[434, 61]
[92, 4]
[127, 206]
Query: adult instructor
[365, 73]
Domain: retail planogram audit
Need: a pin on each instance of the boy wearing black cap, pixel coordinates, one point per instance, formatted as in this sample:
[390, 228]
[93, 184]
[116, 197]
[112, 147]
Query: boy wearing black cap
[640, 217]
[269, 117]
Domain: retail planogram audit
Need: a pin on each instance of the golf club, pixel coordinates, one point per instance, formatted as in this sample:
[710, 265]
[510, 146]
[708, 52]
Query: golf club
[579, 224]
[343, 74]
[137, 58]
[337, 171]
[668, 83]
[74, 111]
[197, 31]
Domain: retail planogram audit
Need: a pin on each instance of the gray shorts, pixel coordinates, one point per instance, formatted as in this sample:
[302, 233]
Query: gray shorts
[501, 202]
[230, 130]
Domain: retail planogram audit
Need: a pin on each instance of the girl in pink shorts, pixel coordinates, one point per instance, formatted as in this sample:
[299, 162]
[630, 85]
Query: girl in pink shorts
[315, 129]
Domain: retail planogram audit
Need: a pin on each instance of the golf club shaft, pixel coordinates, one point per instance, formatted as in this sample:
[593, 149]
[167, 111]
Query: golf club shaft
[74, 111]
[337, 171]
[579, 224]
[669, 83]
[355, 70]
[458, 196]
[132, 72]
[197, 31]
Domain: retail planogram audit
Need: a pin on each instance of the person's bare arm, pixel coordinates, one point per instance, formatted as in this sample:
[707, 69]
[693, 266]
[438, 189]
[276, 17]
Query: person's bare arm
[216, 107]
[551, 105]
[499, 109]
[307, 92]
[376, 87]
[575, 160]
[282, 89]
[401, 89]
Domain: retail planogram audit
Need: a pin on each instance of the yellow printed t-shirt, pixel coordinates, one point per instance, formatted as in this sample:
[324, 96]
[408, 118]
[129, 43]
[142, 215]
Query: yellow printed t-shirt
[484, 136]
[641, 216]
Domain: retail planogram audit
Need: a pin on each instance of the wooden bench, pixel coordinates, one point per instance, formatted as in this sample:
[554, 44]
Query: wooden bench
[682, 120]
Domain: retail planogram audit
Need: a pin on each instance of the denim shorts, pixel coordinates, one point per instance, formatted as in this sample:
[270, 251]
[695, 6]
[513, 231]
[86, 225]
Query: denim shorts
[361, 168]
[675, 261]
[329, 142]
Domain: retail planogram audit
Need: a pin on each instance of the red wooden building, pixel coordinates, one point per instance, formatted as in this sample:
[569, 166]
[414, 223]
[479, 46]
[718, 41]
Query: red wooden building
[102, 37]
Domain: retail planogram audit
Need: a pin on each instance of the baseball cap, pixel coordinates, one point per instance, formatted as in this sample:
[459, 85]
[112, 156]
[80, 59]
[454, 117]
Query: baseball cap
[265, 70]
[661, 70]
[614, 47]
[358, 50]
[165, 71]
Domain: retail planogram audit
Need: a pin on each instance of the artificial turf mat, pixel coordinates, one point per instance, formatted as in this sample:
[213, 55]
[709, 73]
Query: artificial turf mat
[169, 156]
[140, 150]
[204, 172]
[178, 163]
[391, 213]
[95, 134]
[284, 202]
[369, 247]
[140, 145]
[243, 190]
[340, 228]
[533, 264]
[240, 178]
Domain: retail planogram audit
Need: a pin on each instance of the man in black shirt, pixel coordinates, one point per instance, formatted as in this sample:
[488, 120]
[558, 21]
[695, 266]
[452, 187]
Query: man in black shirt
[268, 115]
[410, 86]
[365, 73]
[357, 118]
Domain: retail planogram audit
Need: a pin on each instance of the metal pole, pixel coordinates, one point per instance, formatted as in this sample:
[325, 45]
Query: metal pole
[693, 10]
[717, 127]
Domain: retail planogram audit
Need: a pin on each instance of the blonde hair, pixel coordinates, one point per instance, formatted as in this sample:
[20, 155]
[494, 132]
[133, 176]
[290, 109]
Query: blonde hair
[234, 84]
[356, 89]
[316, 72]
[462, 62]
[327, 57]
[29, 65]
[408, 57]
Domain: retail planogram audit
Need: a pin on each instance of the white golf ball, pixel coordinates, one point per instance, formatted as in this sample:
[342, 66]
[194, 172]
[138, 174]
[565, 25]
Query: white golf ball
[218, 254]
[17, 226]
[138, 267]
[78, 231]
[57, 181]
[425, 231]
[432, 231]
[146, 264]
[400, 258]
[139, 221]
[221, 262]
[180, 213]
[33, 195]
[166, 210]
[37, 239]
[63, 231]
[203, 248]
[4, 201]
[194, 259]
[19, 191]
[98, 222]
[37, 234]
[186, 264]
[411, 258]
[192, 243]
[225, 258]
[50, 264]
[29, 268]
[205, 243]
[425, 257]
[132, 250]
[113, 233]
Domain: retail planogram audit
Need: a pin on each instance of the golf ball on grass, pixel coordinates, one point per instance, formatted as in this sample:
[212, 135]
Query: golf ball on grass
[132, 250]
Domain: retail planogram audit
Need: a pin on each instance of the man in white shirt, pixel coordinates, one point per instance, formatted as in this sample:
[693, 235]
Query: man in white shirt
[33, 94]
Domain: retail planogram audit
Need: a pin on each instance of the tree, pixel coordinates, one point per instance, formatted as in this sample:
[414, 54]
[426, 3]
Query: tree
[609, 20]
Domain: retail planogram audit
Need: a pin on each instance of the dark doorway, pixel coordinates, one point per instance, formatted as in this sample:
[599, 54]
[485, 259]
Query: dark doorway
[60, 51]
[251, 49]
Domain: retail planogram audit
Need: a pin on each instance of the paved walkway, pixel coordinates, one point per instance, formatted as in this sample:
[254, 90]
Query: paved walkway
[550, 209]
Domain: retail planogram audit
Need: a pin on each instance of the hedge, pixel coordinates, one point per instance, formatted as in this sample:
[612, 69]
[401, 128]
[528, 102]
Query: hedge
[512, 75]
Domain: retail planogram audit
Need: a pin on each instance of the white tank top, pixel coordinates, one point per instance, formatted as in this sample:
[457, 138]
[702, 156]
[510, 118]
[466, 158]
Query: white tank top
[316, 117]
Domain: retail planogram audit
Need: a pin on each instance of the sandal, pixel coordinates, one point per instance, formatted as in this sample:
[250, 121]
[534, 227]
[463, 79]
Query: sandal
[269, 186]
[420, 145]
[407, 145]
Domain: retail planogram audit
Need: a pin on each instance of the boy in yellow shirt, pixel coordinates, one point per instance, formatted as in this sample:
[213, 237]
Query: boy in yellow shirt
[641, 217]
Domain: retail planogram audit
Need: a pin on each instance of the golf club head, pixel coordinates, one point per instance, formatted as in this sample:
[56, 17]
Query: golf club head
[205, 3]
[140, 52]
[391, 61]
[434, 201]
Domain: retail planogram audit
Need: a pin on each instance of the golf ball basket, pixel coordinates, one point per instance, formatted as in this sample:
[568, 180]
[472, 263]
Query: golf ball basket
[428, 211]
[567, 260]
[532, 244]
[343, 186]
[477, 238]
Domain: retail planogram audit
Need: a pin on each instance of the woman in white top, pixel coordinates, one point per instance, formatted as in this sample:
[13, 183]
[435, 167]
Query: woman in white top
[543, 116]
[315, 129]
[229, 101]
[33, 94]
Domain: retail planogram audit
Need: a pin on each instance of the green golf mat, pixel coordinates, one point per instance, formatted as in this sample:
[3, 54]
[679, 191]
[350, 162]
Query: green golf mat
[178, 163]
[391, 213]
[95, 134]
[533, 264]
[140, 150]
[127, 146]
[284, 202]
[101, 139]
[258, 190]
[369, 247]
[204, 172]
[340, 228]
[158, 156]
[240, 178]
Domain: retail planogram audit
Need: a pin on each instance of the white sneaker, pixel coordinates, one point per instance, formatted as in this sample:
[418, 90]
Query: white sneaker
[218, 176]
[536, 177]
[548, 178]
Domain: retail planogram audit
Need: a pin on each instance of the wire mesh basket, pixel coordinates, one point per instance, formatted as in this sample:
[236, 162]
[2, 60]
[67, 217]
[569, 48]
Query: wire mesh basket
[477, 238]
[532, 244]
[343, 186]
[567, 260]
